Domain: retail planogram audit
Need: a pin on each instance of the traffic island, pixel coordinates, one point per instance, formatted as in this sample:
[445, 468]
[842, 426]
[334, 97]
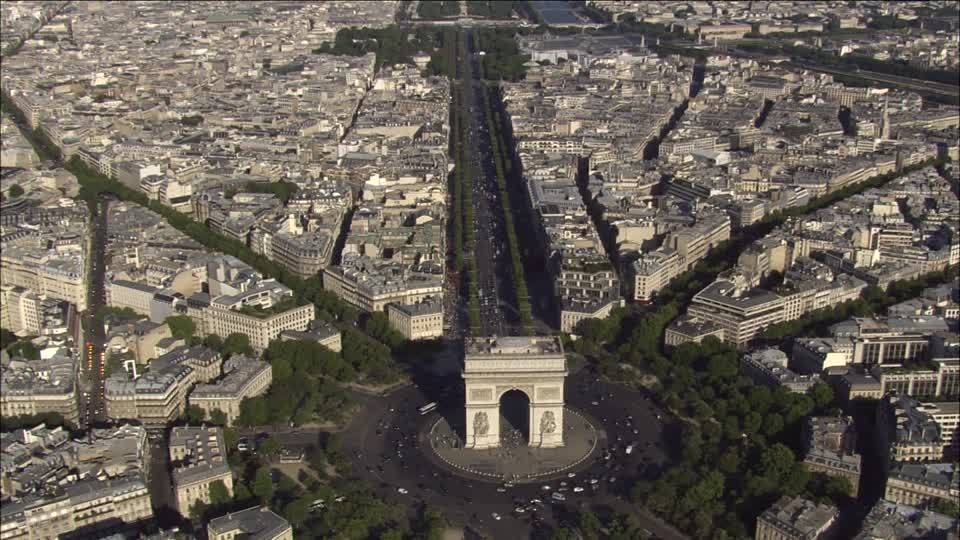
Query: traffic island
[513, 461]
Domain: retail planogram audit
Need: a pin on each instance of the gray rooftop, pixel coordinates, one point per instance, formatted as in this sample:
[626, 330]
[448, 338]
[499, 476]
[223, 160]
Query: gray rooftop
[514, 345]
[252, 524]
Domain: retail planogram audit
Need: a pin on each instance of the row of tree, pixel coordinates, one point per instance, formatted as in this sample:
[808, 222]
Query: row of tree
[740, 442]
[873, 300]
[503, 166]
[330, 306]
[867, 63]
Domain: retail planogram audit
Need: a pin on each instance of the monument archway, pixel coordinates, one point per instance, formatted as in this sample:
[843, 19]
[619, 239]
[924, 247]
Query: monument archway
[495, 367]
[515, 413]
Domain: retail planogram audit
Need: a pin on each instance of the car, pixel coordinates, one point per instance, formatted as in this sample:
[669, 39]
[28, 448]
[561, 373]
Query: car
[495, 516]
[340, 499]
[501, 490]
[536, 501]
[546, 487]
[402, 491]
[577, 489]
[593, 480]
[519, 510]
[558, 496]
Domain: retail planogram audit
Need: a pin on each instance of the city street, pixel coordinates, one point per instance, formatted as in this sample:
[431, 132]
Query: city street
[92, 370]
[494, 270]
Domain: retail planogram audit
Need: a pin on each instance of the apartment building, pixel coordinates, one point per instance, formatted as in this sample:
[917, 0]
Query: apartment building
[318, 331]
[89, 506]
[889, 340]
[920, 484]
[137, 296]
[222, 319]
[680, 251]
[575, 309]
[258, 522]
[769, 367]
[371, 285]
[795, 518]
[156, 398]
[939, 377]
[21, 310]
[894, 521]
[686, 329]
[243, 378]
[653, 272]
[829, 444]
[947, 415]
[417, 321]
[907, 431]
[40, 386]
[56, 276]
[742, 314]
[199, 458]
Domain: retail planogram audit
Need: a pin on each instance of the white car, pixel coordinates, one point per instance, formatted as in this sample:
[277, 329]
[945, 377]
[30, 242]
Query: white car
[519, 510]
[495, 516]
[402, 491]
[577, 489]
[545, 488]
[571, 475]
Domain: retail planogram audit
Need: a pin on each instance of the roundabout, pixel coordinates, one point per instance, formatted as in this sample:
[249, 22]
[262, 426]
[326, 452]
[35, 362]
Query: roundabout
[514, 460]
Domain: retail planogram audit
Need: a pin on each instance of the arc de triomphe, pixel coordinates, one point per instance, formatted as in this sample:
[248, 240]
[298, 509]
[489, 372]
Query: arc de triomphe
[494, 366]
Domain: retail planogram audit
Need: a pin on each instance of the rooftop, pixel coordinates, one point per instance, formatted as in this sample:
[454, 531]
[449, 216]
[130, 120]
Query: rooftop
[252, 523]
[514, 345]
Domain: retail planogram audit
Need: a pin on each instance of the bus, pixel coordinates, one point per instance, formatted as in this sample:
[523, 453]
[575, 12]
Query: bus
[427, 408]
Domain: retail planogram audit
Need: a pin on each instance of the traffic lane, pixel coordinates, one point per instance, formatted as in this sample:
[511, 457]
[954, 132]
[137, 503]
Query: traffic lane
[468, 500]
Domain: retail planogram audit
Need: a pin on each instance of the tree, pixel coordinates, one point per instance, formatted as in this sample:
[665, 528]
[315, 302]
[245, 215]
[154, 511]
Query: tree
[7, 338]
[198, 510]
[237, 344]
[837, 487]
[195, 415]
[269, 447]
[945, 507]
[589, 524]
[241, 492]
[181, 326]
[263, 484]
[213, 341]
[296, 510]
[218, 417]
[253, 412]
[15, 190]
[822, 395]
[218, 493]
[24, 349]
